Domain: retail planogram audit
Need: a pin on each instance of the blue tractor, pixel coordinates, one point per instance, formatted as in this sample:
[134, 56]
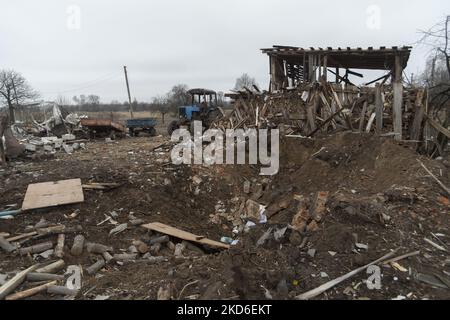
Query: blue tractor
[203, 108]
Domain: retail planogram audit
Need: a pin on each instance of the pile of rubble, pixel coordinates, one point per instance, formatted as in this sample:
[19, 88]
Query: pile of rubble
[328, 108]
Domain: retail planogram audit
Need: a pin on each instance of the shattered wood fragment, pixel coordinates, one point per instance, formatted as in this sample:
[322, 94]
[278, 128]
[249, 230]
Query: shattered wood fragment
[318, 207]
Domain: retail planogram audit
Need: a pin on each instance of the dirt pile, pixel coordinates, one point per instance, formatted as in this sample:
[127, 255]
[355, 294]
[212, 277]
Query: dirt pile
[359, 196]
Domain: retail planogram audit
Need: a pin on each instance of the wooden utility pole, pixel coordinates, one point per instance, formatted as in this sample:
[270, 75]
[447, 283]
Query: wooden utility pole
[128, 89]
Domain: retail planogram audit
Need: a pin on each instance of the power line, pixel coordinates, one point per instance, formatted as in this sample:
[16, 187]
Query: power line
[88, 84]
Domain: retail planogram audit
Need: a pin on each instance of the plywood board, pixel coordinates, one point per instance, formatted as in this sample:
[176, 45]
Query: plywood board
[171, 231]
[55, 193]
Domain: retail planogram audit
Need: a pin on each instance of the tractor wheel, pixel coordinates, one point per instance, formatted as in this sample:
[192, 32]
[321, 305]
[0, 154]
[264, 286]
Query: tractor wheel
[172, 127]
[152, 132]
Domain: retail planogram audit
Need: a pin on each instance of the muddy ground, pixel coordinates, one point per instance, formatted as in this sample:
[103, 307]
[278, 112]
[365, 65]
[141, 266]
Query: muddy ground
[379, 196]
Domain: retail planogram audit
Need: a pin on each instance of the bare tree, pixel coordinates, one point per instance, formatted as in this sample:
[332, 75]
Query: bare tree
[61, 101]
[179, 95]
[245, 81]
[437, 38]
[93, 99]
[14, 91]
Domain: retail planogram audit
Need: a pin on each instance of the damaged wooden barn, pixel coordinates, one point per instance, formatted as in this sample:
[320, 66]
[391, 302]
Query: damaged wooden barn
[311, 91]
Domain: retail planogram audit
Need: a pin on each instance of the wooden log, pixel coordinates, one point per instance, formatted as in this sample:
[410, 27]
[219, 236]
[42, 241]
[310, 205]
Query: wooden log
[124, 256]
[161, 239]
[6, 245]
[93, 269]
[61, 290]
[15, 281]
[37, 248]
[154, 249]
[52, 268]
[59, 249]
[30, 292]
[136, 222]
[78, 244]
[179, 247]
[107, 256]
[58, 229]
[97, 248]
[192, 247]
[35, 276]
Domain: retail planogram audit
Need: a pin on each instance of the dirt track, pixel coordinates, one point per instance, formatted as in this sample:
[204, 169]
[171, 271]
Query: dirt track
[378, 195]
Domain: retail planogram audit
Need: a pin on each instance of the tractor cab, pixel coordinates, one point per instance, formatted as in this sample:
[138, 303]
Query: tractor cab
[202, 100]
[203, 108]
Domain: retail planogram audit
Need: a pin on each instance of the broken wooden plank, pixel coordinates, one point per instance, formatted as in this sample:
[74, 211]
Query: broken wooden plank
[51, 194]
[438, 127]
[434, 177]
[22, 236]
[15, 281]
[328, 285]
[30, 292]
[171, 231]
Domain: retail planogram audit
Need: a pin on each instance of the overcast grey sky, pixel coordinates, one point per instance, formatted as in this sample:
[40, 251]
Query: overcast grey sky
[202, 43]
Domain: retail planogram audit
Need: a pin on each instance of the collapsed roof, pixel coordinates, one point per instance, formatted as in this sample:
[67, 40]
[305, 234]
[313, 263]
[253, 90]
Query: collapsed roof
[355, 58]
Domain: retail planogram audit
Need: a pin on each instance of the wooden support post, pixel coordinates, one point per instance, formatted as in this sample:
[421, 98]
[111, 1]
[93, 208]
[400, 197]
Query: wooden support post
[378, 108]
[337, 75]
[312, 74]
[305, 74]
[398, 98]
[325, 67]
[128, 90]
